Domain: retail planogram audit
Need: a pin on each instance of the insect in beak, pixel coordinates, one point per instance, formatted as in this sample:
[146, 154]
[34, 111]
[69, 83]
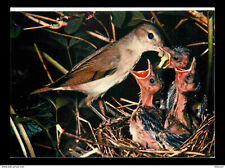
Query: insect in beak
[164, 57]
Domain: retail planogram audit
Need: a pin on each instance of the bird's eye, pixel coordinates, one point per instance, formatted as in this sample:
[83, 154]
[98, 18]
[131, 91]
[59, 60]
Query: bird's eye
[150, 35]
[152, 80]
[188, 77]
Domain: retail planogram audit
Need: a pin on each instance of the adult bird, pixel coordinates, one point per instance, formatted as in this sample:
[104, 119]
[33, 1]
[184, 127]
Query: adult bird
[109, 65]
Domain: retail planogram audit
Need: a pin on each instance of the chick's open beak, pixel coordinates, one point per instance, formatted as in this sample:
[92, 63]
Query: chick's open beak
[178, 69]
[142, 74]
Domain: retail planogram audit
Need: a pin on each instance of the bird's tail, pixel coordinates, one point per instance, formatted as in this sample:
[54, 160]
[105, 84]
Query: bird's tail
[44, 89]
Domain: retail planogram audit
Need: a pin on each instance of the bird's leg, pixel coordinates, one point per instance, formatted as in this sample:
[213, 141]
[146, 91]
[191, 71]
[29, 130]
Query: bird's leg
[88, 101]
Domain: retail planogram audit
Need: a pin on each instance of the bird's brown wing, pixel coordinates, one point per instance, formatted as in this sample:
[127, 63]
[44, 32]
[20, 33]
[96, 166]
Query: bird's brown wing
[98, 66]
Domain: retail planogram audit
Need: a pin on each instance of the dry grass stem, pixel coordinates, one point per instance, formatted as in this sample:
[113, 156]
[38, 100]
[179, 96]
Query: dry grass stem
[78, 38]
[201, 27]
[113, 29]
[101, 37]
[58, 25]
[180, 23]
[106, 31]
[18, 137]
[121, 111]
[23, 134]
[95, 150]
[42, 61]
[200, 17]
[197, 44]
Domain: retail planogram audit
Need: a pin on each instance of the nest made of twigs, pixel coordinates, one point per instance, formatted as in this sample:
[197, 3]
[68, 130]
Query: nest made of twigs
[113, 139]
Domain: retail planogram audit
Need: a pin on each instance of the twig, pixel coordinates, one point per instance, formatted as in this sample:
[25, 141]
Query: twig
[91, 15]
[58, 136]
[201, 27]
[77, 115]
[24, 135]
[199, 17]
[77, 137]
[44, 146]
[212, 142]
[79, 118]
[173, 153]
[121, 107]
[113, 29]
[78, 38]
[100, 103]
[197, 44]
[211, 48]
[180, 23]
[107, 33]
[204, 52]
[157, 20]
[160, 25]
[42, 61]
[18, 137]
[55, 63]
[129, 101]
[122, 112]
[58, 25]
[101, 37]
[95, 150]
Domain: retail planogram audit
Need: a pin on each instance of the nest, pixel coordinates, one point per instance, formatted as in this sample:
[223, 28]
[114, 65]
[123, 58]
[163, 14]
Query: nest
[112, 139]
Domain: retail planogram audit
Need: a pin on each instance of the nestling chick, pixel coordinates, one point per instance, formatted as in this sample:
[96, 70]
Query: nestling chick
[179, 119]
[146, 122]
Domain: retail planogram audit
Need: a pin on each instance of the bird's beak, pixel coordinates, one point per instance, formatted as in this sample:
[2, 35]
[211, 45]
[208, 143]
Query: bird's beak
[142, 74]
[178, 69]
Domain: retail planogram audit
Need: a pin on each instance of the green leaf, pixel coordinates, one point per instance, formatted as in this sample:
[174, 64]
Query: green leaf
[60, 102]
[60, 39]
[118, 18]
[19, 119]
[73, 25]
[32, 128]
[73, 42]
[79, 34]
[14, 30]
[74, 14]
[136, 18]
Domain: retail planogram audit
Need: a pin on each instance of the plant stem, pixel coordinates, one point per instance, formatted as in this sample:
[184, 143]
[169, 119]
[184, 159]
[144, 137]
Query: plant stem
[210, 45]
[55, 63]
[18, 137]
[24, 135]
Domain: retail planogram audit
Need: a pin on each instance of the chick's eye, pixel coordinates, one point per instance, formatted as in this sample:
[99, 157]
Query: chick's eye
[150, 35]
[152, 80]
[175, 58]
[189, 78]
